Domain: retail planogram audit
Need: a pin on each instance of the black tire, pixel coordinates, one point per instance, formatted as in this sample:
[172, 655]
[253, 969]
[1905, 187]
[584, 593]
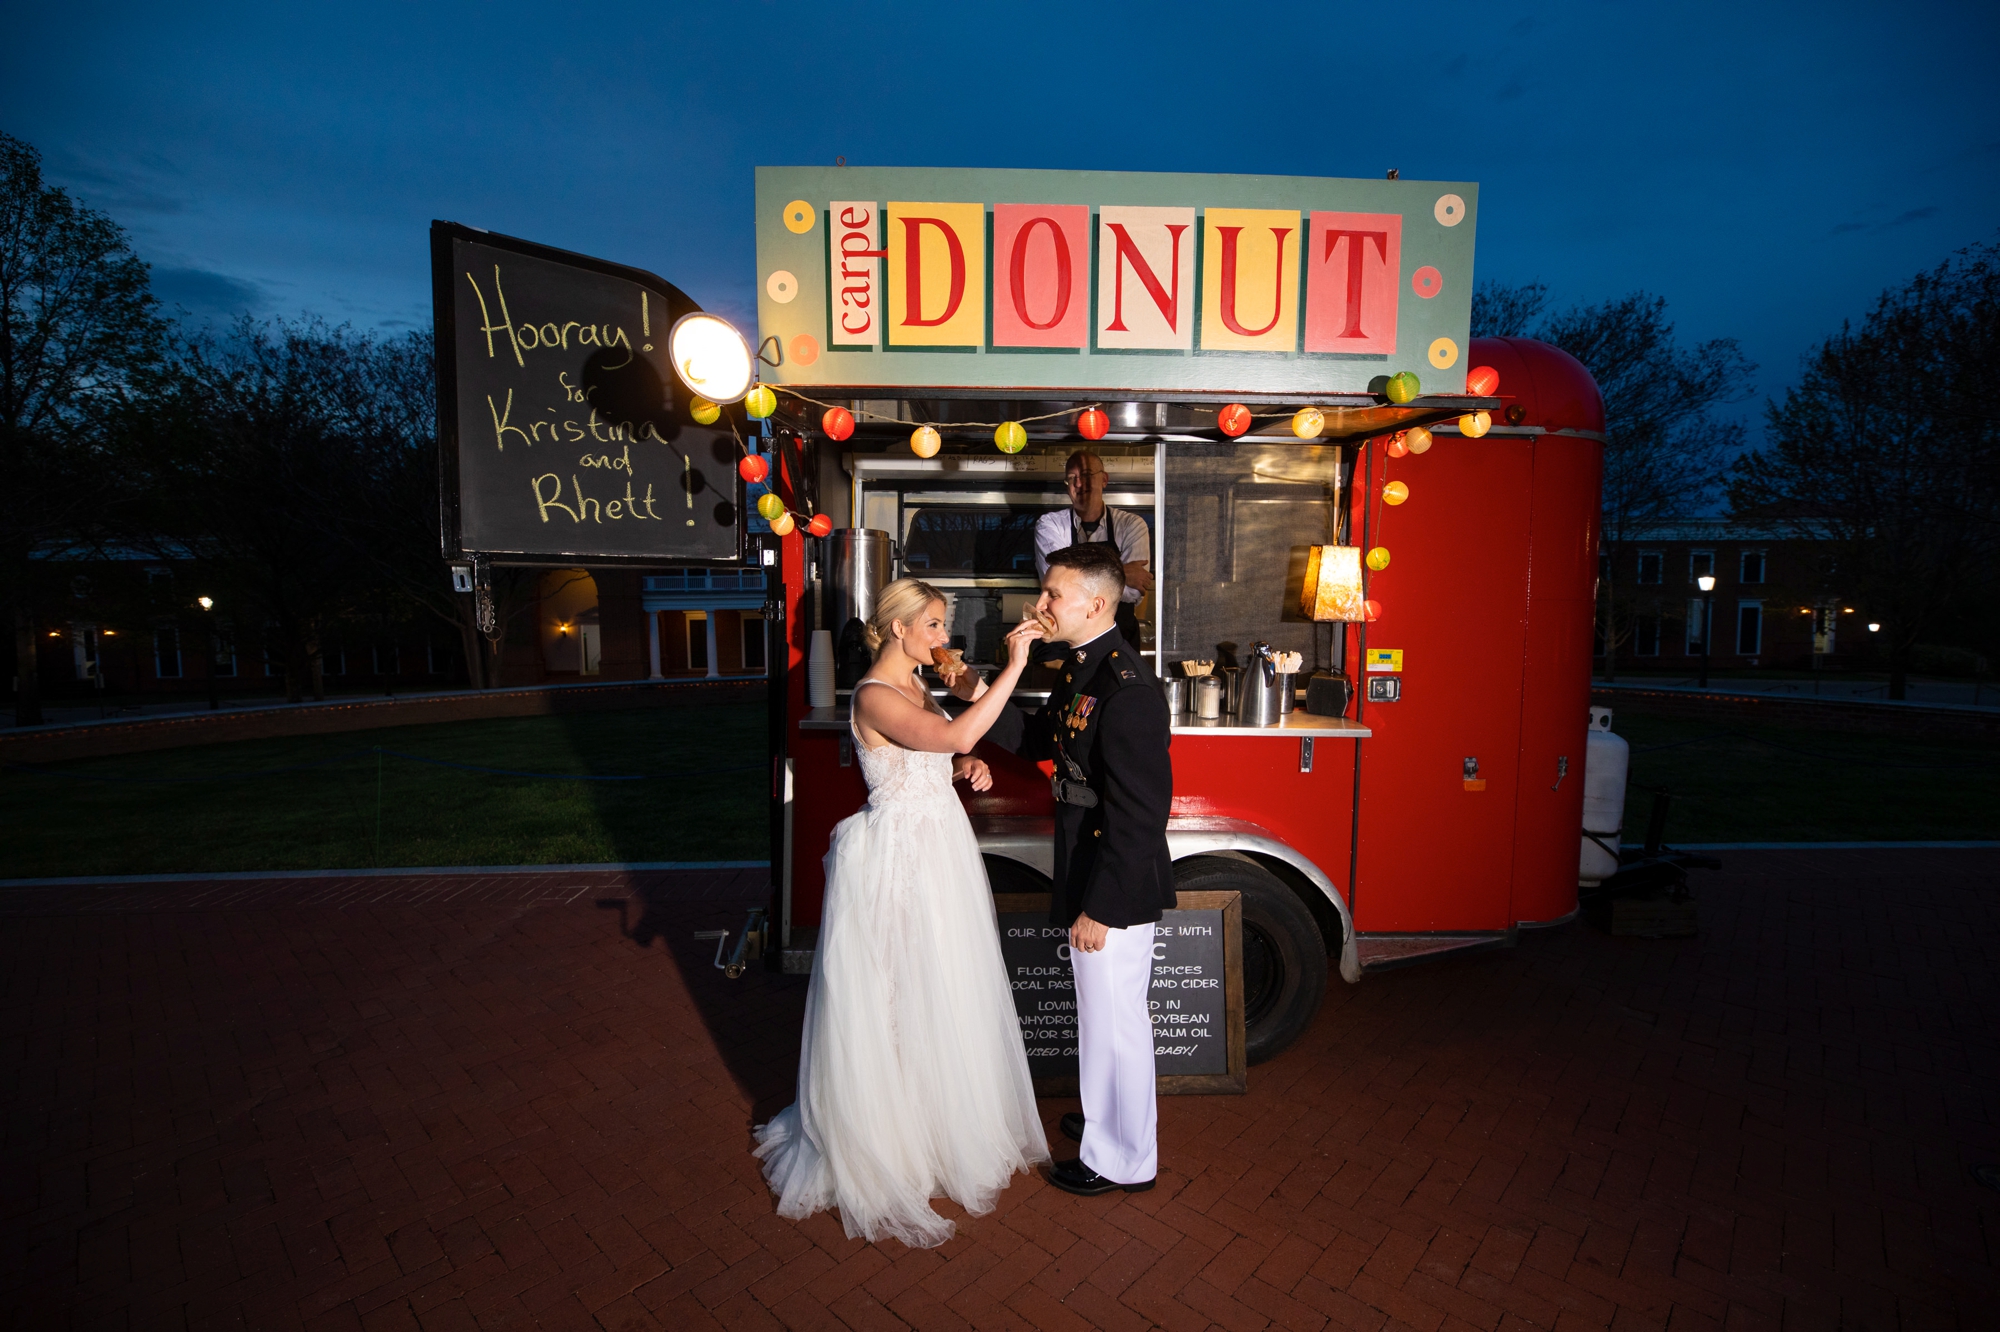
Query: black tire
[1011, 876]
[1284, 954]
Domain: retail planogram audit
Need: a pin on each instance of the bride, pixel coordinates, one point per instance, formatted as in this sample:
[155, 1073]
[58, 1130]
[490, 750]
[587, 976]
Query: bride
[912, 1079]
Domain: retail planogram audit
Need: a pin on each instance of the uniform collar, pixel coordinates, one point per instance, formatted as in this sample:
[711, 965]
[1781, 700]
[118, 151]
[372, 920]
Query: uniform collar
[1090, 655]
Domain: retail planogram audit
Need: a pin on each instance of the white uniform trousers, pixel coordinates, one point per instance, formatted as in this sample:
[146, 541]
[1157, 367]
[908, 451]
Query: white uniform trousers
[1114, 1020]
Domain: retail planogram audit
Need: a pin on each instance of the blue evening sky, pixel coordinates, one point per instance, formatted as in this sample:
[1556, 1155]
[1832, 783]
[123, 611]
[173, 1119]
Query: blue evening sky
[1768, 168]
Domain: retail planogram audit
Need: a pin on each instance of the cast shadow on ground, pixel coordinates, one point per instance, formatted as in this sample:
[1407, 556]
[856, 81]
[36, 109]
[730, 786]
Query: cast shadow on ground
[753, 1020]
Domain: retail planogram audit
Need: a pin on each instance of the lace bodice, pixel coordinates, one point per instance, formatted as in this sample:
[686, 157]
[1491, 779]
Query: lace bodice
[903, 778]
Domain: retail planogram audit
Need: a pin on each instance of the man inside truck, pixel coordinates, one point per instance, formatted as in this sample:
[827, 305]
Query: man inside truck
[1090, 521]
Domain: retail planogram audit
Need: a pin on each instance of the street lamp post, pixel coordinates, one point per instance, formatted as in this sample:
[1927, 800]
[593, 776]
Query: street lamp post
[207, 605]
[1707, 585]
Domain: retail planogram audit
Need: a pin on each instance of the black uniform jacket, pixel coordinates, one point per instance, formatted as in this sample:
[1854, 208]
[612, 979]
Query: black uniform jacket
[1106, 713]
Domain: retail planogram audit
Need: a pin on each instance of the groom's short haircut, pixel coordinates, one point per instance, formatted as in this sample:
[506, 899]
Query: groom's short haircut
[1096, 564]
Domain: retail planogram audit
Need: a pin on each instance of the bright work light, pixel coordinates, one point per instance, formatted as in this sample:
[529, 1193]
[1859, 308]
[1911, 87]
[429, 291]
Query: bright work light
[711, 357]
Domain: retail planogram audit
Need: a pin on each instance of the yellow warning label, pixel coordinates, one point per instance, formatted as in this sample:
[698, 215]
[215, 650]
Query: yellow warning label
[1385, 659]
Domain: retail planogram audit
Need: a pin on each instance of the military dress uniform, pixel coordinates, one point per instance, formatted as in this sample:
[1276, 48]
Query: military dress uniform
[1105, 726]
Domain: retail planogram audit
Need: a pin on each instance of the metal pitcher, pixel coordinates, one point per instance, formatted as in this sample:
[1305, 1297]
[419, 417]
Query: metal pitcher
[1260, 701]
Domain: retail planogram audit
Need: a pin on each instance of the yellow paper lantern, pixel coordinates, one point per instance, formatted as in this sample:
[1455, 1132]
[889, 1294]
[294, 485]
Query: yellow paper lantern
[783, 524]
[1378, 558]
[1475, 425]
[1010, 437]
[1395, 492]
[760, 402]
[1308, 422]
[703, 411]
[924, 442]
[1417, 439]
[770, 507]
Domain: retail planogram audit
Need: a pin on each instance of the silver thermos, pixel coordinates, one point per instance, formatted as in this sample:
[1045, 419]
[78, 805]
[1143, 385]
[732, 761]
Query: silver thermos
[860, 562]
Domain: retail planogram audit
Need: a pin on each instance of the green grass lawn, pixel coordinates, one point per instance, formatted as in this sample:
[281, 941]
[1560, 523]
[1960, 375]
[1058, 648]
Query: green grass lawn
[67, 820]
[1737, 783]
[1730, 783]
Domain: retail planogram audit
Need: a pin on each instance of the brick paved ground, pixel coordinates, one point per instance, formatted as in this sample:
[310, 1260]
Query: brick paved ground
[481, 1102]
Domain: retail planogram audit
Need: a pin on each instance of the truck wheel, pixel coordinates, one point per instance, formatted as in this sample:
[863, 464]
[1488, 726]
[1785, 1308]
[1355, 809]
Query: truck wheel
[1284, 957]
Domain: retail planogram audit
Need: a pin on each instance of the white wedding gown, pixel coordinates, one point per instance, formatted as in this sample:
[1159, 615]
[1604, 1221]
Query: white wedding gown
[913, 1083]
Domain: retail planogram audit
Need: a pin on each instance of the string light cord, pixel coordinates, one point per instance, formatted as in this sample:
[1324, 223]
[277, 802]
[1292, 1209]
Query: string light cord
[948, 425]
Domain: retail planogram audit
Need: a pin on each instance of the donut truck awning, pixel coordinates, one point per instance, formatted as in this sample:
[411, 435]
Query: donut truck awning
[961, 287]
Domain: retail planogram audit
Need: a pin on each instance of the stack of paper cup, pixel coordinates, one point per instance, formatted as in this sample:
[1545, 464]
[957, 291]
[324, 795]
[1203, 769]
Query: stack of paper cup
[819, 670]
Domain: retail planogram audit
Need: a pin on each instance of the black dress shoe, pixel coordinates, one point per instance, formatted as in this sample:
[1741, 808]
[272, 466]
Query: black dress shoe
[1072, 1126]
[1078, 1178]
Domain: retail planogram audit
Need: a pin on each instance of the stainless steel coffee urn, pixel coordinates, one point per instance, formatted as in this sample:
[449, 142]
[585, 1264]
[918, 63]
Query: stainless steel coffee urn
[860, 563]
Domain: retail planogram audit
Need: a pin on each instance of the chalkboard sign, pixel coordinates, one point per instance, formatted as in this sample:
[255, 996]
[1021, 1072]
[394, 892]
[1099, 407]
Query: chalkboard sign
[565, 433]
[1197, 993]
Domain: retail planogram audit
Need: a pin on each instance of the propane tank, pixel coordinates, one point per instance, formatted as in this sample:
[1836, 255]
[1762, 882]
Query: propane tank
[1606, 757]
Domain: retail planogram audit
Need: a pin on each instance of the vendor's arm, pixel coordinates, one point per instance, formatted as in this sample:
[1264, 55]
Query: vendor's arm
[1051, 534]
[1135, 548]
[1135, 783]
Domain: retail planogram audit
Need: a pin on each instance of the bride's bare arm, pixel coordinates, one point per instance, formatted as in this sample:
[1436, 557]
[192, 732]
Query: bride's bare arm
[893, 717]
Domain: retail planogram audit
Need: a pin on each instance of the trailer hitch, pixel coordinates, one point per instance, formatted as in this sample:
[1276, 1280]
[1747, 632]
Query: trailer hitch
[749, 944]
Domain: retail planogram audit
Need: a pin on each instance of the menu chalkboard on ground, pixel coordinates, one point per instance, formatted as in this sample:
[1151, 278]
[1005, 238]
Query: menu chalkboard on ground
[1197, 993]
[564, 432]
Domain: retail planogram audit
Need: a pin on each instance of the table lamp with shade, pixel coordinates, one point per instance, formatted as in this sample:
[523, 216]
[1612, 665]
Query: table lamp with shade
[1332, 594]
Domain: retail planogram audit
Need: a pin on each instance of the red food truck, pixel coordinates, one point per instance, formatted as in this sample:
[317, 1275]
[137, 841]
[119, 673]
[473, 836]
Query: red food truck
[1427, 550]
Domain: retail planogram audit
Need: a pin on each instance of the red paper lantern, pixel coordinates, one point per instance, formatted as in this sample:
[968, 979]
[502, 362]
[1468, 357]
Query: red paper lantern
[837, 422]
[1372, 609]
[1483, 382]
[1397, 445]
[820, 525]
[753, 468]
[1233, 420]
[1092, 423]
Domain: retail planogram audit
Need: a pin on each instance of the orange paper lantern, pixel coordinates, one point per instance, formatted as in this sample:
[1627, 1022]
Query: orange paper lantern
[753, 468]
[820, 525]
[1092, 423]
[1397, 446]
[1483, 381]
[1233, 420]
[837, 422]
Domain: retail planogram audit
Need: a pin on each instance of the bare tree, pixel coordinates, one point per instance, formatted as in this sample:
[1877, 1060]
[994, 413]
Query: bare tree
[76, 321]
[1887, 450]
[261, 450]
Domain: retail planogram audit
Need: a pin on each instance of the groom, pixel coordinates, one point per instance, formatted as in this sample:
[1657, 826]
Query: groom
[1105, 727]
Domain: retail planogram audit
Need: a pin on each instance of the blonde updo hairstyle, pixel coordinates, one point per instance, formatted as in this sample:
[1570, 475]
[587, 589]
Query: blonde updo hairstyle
[901, 602]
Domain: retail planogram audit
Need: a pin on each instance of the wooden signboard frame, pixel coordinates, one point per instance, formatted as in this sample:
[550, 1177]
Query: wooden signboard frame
[1235, 1081]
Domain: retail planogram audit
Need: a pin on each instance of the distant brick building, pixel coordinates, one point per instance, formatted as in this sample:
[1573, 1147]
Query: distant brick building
[1776, 602]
